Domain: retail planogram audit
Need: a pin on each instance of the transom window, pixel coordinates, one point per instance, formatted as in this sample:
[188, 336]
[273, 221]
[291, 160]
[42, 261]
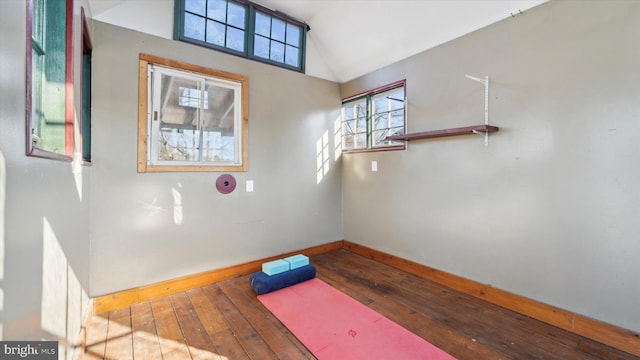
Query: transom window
[369, 118]
[242, 28]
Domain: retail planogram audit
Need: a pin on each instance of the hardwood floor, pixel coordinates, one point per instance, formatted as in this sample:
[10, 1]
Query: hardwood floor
[226, 321]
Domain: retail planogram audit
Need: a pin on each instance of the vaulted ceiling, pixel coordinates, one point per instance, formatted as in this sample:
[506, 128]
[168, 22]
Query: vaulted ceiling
[348, 38]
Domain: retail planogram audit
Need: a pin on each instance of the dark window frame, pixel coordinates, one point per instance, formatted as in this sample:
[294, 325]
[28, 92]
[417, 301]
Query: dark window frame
[249, 36]
[85, 93]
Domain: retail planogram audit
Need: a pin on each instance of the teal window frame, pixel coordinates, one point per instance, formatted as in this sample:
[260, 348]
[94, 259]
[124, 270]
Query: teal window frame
[49, 80]
[362, 115]
[285, 36]
[85, 125]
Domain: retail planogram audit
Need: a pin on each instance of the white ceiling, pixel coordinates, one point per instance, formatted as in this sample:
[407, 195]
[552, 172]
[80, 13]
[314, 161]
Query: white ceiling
[348, 38]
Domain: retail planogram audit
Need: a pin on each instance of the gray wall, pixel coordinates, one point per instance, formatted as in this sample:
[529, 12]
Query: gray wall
[134, 239]
[550, 209]
[44, 205]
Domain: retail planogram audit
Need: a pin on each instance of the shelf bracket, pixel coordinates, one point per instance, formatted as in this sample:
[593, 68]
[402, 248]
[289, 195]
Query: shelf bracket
[485, 82]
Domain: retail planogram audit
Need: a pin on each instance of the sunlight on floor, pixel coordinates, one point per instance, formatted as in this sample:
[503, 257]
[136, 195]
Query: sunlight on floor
[118, 344]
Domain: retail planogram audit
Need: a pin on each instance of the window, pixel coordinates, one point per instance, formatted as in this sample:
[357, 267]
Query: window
[85, 125]
[242, 28]
[49, 77]
[369, 118]
[191, 118]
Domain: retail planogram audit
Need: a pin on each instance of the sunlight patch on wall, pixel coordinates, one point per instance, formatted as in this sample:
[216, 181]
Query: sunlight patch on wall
[177, 205]
[62, 309]
[54, 284]
[76, 169]
[337, 138]
[322, 156]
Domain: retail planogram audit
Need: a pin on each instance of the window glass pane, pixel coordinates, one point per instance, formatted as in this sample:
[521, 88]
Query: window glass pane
[292, 56]
[379, 138]
[277, 51]
[261, 47]
[263, 24]
[219, 125]
[215, 33]
[237, 15]
[195, 6]
[389, 100]
[277, 29]
[293, 35]
[381, 121]
[235, 39]
[360, 141]
[194, 27]
[397, 118]
[349, 127]
[217, 10]
[180, 100]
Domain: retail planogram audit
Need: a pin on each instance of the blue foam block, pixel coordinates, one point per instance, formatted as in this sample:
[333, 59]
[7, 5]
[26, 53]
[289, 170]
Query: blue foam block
[297, 261]
[262, 283]
[275, 267]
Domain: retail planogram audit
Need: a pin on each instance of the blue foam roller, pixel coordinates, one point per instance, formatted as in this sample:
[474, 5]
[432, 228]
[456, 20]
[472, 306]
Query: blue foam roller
[262, 283]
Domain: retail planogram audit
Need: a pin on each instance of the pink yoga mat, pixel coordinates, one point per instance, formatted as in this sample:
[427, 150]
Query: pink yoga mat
[334, 326]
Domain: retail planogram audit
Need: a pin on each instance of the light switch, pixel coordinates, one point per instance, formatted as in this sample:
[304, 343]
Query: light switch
[374, 165]
[249, 185]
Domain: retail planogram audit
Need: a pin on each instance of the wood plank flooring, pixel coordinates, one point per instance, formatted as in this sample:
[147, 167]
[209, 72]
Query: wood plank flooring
[225, 321]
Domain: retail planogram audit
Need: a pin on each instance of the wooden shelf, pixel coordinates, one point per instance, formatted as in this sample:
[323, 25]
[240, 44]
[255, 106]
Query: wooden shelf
[475, 129]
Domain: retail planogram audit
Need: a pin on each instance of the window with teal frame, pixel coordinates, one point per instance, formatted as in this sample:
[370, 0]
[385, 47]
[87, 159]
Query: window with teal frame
[367, 119]
[49, 73]
[242, 28]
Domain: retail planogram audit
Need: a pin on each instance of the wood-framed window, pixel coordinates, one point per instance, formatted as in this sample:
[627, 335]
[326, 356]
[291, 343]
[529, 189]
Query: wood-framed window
[242, 28]
[368, 118]
[191, 118]
[49, 79]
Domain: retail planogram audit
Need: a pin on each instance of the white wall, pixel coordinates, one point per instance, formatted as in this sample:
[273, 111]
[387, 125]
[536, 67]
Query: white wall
[550, 209]
[135, 240]
[44, 230]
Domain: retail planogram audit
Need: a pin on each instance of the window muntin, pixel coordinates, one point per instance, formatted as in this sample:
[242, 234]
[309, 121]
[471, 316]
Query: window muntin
[368, 119]
[242, 28]
[192, 118]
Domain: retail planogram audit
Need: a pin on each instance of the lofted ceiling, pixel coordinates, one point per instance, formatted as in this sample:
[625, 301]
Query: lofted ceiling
[348, 38]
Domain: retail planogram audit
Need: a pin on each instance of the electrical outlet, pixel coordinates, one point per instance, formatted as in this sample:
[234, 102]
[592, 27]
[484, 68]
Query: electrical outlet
[249, 185]
[374, 165]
